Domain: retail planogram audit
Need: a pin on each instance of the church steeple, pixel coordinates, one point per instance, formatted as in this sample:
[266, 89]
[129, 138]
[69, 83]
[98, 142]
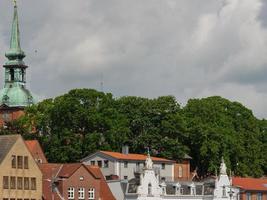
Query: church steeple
[15, 54]
[14, 94]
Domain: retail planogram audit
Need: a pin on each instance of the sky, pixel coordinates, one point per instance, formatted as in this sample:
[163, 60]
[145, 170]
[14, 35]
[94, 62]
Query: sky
[185, 48]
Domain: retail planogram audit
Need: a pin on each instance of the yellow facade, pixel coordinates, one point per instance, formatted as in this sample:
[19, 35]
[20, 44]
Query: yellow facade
[26, 181]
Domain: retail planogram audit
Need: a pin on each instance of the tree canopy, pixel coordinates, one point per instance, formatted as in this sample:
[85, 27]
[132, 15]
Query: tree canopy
[72, 126]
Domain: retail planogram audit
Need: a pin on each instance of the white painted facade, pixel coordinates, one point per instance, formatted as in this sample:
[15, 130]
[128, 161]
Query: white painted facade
[126, 169]
[151, 188]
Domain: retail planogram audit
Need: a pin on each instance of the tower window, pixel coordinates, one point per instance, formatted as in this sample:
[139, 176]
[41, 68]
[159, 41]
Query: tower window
[12, 74]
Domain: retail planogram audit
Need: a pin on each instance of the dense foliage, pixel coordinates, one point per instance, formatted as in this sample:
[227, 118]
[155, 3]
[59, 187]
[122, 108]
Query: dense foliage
[82, 121]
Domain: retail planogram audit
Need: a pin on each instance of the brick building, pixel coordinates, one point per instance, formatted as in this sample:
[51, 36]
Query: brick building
[74, 181]
[20, 176]
[251, 188]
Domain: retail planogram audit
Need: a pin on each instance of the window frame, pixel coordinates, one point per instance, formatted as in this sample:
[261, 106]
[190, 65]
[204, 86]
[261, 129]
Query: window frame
[81, 193]
[106, 163]
[248, 196]
[26, 162]
[5, 182]
[163, 166]
[26, 183]
[125, 164]
[20, 162]
[71, 193]
[13, 184]
[33, 184]
[91, 193]
[14, 161]
[100, 163]
[259, 196]
[19, 183]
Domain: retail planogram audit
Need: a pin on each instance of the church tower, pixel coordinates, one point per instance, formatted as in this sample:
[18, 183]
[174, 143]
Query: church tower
[14, 97]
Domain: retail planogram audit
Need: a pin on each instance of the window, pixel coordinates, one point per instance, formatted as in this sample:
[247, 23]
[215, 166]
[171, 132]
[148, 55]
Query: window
[19, 183]
[137, 164]
[224, 191]
[149, 192]
[248, 195]
[26, 162]
[5, 182]
[13, 161]
[20, 158]
[106, 163]
[81, 178]
[99, 163]
[26, 183]
[91, 193]
[12, 182]
[71, 193]
[163, 178]
[180, 172]
[92, 162]
[33, 183]
[162, 165]
[81, 193]
[125, 164]
[182, 191]
[259, 196]
[12, 76]
[125, 177]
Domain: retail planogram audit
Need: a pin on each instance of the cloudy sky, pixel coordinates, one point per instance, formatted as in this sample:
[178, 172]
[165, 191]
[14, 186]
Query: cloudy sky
[185, 48]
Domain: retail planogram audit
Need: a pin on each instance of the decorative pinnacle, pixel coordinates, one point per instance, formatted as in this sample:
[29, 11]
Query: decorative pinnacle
[15, 2]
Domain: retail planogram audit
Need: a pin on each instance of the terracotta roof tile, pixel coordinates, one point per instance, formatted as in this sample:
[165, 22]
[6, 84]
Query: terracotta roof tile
[105, 192]
[131, 156]
[49, 171]
[36, 150]
[68, 169]
[253, 184]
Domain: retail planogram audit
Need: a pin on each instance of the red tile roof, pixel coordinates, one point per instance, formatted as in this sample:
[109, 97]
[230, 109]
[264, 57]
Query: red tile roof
[131, 156]
[36, 150]
[65, 171]
[105, 192]
[252, 184]
[49, 171]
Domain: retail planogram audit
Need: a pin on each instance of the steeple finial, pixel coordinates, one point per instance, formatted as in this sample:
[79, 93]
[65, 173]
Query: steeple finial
[223, 168]
[15, 52]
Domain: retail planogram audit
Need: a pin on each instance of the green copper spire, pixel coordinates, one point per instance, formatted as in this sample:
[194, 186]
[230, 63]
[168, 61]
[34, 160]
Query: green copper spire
[15, 93]
[15, 53]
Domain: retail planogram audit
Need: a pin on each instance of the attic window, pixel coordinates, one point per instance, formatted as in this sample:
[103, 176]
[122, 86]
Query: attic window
[81, 178]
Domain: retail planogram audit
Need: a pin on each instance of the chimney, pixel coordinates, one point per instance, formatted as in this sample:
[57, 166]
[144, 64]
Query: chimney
[125, 149]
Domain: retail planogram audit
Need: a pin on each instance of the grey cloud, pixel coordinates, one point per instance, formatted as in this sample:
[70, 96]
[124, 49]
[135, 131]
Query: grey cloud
[186, 48]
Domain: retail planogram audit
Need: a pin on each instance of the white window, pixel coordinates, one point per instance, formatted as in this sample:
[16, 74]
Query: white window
[71, 193]
[91, 193]
[81, 193]
[259, 196]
